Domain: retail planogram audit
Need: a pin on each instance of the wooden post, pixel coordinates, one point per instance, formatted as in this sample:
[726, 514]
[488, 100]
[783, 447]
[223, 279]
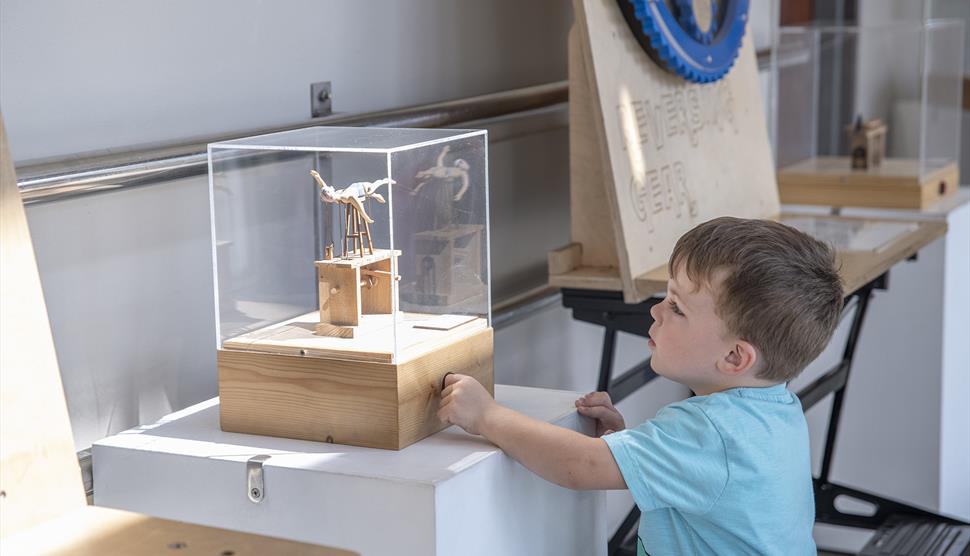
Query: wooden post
[344, 253]
[370, 244]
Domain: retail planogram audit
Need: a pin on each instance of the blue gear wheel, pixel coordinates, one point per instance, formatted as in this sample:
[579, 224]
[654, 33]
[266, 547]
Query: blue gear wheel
[675, 48]
[688, 20]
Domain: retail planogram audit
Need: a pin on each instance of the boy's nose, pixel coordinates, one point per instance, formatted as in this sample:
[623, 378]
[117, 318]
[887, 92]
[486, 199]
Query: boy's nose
[655, 311]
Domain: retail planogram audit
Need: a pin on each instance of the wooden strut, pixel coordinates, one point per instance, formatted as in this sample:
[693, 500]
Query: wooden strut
[353, 232]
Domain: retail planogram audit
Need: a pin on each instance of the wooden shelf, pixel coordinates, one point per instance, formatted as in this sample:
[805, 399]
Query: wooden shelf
[855, 267]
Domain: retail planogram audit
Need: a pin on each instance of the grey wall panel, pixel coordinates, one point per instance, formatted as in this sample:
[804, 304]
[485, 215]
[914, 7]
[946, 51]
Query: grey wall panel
[128, 282]
[82, 76]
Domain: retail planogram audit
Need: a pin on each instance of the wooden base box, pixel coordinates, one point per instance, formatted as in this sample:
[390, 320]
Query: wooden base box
[376, 404]
[895, 184]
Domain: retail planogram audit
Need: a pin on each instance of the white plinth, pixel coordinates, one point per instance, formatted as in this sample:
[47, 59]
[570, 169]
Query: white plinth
[452, 493]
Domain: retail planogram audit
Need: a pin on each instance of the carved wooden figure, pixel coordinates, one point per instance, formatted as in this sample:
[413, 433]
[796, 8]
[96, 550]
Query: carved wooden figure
[353, 197]
[867, 143]
[457, 171]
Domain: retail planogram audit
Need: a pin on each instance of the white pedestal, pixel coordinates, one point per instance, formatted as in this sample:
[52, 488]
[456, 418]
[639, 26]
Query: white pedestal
[452, 493]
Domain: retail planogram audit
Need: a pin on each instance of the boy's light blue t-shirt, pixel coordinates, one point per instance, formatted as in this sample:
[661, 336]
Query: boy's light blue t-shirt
[727, 473]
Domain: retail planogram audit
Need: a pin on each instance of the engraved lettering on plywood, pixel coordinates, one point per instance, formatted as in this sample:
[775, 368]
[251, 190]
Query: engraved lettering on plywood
[675, 153]
[680, 110]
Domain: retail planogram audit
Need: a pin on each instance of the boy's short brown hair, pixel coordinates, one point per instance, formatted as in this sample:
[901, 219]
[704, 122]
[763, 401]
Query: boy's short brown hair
[780, 290]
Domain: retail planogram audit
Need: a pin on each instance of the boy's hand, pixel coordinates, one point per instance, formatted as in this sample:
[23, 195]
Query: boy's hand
[598, 405]
[465, 402]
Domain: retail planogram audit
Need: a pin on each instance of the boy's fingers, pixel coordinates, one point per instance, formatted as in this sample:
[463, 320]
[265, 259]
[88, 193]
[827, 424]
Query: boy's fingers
[596, 399]
[444, 418]
[596, 411]
[599, 398]
[449, 390]
[449, 379]
[444, 413]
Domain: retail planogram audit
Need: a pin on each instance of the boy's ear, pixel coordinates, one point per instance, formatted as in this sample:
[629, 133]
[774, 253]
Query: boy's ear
[742, 358]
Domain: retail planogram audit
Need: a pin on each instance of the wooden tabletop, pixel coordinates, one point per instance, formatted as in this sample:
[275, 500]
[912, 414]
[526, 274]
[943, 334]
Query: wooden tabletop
[97, 531]
[855, 267]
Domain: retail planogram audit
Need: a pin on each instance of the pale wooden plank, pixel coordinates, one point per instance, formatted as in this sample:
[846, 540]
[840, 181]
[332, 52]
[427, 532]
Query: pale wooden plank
[896, 183]
[43, 504]
[95, 531]
[362, 403]
[654, 282]
[589, 278]
[373, 339]
[856, 268]
[39, 472]
[339, 289]
[679, 153]
[348, 402]
[566, 258]
[590, 213]
[377, 298]
[356, 261]
[595, 140]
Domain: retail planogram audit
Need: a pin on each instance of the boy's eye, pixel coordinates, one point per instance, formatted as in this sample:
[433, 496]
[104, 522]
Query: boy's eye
[675, 308]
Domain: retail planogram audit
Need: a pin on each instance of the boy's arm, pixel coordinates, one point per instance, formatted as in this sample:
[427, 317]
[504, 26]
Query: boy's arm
[559, 455]
[562, 456]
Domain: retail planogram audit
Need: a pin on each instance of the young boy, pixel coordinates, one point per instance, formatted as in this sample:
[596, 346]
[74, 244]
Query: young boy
[749, 304]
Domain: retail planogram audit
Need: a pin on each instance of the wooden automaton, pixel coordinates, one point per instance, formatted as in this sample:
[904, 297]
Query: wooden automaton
[661, 143]
[351, 277]
[867, 143]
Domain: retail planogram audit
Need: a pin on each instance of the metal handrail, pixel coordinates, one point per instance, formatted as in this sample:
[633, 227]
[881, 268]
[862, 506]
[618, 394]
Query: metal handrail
[50, 180]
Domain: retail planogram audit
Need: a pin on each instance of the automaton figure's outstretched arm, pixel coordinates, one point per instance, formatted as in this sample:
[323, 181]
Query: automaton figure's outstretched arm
[435, 171]
[441, 156]
[464, 187]
[327, 193]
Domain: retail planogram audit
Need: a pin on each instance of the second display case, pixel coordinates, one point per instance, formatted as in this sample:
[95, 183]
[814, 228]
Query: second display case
[869, 115]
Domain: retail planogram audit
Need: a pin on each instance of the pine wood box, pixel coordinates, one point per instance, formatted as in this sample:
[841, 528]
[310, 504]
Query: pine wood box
[894, 184]
[361, 403]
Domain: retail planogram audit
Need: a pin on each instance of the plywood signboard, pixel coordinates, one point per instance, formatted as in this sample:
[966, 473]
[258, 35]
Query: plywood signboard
[653, 154]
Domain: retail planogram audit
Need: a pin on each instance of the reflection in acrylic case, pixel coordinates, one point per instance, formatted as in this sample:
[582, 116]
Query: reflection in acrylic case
[339, 245]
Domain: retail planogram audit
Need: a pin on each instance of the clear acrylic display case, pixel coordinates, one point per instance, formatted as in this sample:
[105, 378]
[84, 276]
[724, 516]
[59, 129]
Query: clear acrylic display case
[906, 75]
[383, 254]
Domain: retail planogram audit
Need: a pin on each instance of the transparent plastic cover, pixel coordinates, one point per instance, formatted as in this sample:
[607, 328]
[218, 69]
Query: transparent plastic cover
[355, 243]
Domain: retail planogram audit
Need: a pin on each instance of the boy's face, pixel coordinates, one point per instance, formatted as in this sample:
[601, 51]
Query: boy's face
[688, 338]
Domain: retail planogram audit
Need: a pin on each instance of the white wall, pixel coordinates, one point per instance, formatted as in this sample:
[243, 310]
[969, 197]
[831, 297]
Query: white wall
[81, 76]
